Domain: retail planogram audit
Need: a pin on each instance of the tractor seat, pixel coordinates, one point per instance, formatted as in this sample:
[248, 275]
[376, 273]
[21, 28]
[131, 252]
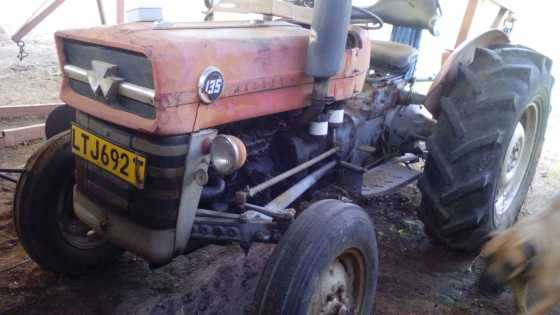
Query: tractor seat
[391, 56]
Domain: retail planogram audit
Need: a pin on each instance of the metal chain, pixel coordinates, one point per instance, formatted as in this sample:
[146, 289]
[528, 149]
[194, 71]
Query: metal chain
[22, 53]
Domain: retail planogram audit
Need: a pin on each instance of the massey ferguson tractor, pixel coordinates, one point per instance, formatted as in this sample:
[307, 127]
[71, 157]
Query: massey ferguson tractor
[178, 135]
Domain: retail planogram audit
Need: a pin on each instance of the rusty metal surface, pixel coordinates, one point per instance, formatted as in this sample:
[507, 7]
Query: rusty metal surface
[462, 55]
[15, 136]
[27, 110]
[263, 70]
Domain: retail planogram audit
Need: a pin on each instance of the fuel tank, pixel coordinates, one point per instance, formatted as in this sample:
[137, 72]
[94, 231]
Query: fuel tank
[146, 76]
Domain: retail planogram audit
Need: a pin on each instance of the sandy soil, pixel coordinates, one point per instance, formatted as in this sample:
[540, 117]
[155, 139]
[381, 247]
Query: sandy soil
[416, 277]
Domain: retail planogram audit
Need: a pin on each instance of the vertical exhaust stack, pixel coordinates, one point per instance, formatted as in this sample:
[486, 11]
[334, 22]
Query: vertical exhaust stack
[325, 53]
[327, 41]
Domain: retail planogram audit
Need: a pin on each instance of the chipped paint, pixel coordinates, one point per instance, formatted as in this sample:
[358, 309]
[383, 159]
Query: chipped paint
[263, 70]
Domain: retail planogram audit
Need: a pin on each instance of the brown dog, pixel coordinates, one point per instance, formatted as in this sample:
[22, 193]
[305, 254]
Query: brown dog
[527, 253]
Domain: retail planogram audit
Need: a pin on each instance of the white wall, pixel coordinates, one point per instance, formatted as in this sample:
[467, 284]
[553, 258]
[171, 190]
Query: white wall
[537, 25]
[83, 13]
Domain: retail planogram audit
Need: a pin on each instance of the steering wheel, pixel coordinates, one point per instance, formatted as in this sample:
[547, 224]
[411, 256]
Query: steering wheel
[364, 16]
[359, 14]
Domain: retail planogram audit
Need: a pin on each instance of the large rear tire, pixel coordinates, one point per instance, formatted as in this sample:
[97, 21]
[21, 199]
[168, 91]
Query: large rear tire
[326, 263]
[44, 219]
[484, 151]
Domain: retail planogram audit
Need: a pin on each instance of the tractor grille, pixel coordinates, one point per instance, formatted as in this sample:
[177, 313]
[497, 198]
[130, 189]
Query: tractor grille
[157, 204]
[133, 68]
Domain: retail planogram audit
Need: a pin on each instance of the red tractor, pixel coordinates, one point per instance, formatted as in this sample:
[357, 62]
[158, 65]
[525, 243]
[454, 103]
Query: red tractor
[178, 135]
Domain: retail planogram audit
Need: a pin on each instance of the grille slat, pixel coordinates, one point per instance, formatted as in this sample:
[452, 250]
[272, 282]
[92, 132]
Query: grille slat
[157, 204]
[133, 68]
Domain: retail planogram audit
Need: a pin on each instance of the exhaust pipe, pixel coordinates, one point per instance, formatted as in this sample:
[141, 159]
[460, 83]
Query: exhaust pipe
[325, 52]
[329, 31]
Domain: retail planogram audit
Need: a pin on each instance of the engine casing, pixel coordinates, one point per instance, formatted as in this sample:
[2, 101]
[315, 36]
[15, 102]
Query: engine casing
[262, 64]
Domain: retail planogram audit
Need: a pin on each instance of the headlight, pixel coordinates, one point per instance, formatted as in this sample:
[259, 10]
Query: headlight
[228, 154]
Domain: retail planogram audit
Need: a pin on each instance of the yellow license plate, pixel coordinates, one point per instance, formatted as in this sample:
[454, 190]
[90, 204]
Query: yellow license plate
[120, 162]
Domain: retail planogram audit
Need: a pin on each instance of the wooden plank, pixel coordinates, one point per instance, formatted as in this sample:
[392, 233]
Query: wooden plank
[467, 22]
[120, 11]
[15, 136]
[267, 7]
[27, 110]
[35, 20]
[446, 53]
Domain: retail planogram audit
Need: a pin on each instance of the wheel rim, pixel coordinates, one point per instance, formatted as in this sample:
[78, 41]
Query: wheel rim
[341, 286]
[72, 229]
[516, 163]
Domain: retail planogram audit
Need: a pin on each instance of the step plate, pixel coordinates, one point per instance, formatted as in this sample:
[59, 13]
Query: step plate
[386, 178]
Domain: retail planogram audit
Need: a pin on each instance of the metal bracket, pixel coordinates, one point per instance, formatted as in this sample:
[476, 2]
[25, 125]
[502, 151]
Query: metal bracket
[350, 177]
[22, 52]
[277, 214]
[226, 227]
[196, 166]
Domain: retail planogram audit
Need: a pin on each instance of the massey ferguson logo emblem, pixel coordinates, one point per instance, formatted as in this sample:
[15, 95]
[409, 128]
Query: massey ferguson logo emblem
[103, 79]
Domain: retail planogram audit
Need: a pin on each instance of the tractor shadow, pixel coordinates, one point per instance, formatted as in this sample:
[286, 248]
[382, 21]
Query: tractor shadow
[416, 276]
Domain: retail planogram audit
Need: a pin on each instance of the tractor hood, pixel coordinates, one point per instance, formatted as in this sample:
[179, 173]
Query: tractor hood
[146, 76]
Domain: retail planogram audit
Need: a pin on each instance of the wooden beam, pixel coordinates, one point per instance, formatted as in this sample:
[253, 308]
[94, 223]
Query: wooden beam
[120, 11]
[467, 22]
[35, 20]
[267, 7]
[27, 110]
[15, 136]
[101, 12]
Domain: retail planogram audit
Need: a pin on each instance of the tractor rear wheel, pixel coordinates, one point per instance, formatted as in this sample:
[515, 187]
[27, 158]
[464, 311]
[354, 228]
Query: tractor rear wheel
[326, 263]
[484, 151]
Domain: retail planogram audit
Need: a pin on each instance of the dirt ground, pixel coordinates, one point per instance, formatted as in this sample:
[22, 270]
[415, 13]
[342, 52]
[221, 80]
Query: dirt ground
[416, 277]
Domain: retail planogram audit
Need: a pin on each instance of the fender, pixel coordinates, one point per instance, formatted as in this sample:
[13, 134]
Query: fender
[59, 120]
[464, 54]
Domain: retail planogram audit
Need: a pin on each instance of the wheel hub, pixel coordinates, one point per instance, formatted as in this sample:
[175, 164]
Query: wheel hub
[334, 289]
[72, 229]
[340, 287]
[516, 162]
[513, 154]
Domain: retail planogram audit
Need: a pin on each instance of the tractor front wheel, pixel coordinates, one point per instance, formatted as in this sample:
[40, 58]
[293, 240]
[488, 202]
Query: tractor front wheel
[44, 218]
[484, 151]
[326, 263]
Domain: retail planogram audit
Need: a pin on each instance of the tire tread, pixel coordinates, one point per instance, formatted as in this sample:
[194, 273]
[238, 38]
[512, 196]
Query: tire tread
[477, 111]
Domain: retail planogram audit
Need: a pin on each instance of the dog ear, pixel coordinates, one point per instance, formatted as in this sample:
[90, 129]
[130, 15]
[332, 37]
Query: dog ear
[529, 250]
